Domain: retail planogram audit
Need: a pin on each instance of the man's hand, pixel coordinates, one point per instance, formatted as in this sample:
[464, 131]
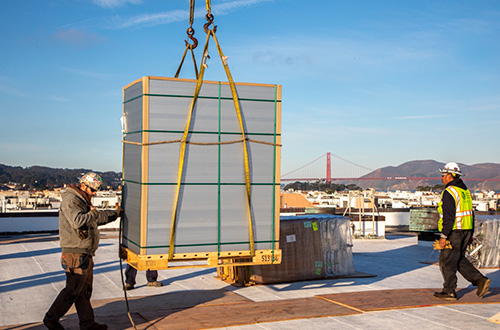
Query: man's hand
[118, 210]
[442, 243]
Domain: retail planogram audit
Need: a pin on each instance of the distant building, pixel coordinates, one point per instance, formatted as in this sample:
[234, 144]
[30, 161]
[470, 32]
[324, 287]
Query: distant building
[11, 201]
[292, 199]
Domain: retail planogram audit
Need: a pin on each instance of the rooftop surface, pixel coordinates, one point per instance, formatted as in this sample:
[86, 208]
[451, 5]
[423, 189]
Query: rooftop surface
[399, 296]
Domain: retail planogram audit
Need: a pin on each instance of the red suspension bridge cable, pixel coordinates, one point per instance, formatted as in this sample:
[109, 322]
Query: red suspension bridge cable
[352, 163]
[312, 161]
[343, 164]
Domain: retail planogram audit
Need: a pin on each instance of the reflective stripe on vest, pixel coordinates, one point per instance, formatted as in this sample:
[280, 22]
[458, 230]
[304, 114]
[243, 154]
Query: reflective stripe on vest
[463, 210]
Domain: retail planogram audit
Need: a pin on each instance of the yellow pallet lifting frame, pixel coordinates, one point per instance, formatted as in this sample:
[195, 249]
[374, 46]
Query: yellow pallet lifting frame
[211, 259]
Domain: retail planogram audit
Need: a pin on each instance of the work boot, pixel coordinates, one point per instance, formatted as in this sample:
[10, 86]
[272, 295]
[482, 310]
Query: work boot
[445, 296]
[51, 325]
[482, 286]
[129, 286]
[155, 284]
[97, 326]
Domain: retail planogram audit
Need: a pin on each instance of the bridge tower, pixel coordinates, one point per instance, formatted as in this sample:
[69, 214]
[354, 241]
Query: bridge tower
[328, 168]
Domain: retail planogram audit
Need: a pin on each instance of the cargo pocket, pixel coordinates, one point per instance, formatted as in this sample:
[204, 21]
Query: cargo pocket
[64, 263]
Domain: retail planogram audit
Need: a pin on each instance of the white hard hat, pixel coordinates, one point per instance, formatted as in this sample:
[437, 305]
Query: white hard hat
[452, 168]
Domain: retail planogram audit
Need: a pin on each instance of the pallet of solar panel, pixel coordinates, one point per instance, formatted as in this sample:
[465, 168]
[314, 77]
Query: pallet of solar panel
[313, 246]
[424, 219]
[212, 221]
[302, 253]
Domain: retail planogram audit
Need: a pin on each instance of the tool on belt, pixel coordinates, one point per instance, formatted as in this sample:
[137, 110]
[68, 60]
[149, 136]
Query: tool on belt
[436, 245]
[69, 264]
[83, 232]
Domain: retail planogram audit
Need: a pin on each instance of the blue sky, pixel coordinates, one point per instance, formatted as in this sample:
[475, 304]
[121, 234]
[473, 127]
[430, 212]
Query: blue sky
[377, 83]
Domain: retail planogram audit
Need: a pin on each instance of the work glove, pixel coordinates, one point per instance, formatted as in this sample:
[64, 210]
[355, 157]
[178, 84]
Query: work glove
[436, 245]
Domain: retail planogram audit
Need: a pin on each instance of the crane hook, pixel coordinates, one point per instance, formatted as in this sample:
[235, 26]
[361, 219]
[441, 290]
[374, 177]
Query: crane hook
[190, 33]
[210, 19]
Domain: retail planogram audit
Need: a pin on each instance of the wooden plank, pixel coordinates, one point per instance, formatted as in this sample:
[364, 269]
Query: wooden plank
[495, 318]
[407, 298]
[249, 313]
[144, 170]
[205, 309]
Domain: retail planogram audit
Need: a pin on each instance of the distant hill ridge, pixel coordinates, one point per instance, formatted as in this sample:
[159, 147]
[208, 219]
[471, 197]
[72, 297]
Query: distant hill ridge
[430, 169]
[41, 177]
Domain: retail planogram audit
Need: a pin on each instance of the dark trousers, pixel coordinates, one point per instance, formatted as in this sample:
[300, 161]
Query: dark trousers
[79, 277]
[453, 260]
[131, 274]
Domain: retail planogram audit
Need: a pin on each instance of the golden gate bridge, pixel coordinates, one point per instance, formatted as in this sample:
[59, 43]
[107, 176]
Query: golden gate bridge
[330, 167]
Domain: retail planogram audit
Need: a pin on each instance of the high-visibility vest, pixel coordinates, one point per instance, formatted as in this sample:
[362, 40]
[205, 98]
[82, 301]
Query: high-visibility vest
[463, 212]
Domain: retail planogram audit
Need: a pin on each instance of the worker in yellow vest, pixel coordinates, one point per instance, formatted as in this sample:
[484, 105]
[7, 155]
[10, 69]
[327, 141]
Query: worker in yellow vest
[456, 225]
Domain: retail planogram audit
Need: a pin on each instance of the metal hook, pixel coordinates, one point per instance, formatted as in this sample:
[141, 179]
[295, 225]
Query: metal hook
[210, 19]
[190, 33]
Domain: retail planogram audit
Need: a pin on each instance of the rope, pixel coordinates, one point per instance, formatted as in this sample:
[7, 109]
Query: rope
[125, 294]
[121, 269]
[202, 143]
[151, 143]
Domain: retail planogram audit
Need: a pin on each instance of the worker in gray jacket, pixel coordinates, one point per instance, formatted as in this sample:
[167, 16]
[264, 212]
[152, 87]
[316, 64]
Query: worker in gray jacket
[79, 238]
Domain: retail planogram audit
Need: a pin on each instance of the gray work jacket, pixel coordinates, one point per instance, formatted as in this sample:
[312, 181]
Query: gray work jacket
[75, 217]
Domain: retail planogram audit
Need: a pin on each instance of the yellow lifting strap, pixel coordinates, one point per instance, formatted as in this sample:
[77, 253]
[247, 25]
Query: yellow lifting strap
[190, 34]
[190, 47]
[211, 32]
[245, 145]
[182, 156]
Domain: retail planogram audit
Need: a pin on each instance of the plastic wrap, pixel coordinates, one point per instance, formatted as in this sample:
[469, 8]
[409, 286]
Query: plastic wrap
[487, 234]
[337, 246]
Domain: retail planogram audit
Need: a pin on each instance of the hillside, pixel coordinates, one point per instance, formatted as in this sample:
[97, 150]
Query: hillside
[40, 177]
[430, 169]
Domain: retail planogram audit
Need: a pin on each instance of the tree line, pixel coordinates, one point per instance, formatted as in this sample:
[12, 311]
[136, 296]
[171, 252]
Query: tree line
[321, 186]
[331, 187]
[40, 177]
[436, 187]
